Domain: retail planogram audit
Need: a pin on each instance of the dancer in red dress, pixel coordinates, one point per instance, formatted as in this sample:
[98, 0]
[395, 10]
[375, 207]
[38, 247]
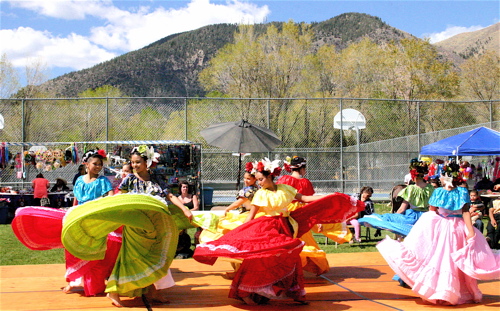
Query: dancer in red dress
[313, 258]
[270, 245]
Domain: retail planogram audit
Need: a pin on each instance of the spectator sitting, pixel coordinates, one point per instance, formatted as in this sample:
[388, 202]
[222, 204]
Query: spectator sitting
[492, 229]
[60, 186]
[484, 184]
[184, 246]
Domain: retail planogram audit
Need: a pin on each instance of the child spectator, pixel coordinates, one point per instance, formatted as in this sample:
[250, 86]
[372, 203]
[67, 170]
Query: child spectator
[476, 210]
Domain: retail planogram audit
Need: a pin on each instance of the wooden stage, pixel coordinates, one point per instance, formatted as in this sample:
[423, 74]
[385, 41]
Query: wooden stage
[356, 281]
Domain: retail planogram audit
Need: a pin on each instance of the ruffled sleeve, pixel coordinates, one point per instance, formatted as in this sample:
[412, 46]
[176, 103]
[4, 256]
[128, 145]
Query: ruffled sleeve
[89, 191]
[275, 202]
[451, 200]
[247, 192]
[417, 196]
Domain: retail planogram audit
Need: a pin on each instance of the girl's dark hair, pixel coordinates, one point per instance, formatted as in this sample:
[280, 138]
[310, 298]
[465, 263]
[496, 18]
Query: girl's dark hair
[366, 189]
[139, 154]
[266, 173]
[297, 163]
[436, 181]
[95, 156]
[39, 175]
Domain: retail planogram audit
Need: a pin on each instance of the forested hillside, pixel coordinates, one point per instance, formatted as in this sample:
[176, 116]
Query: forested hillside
[170, 66]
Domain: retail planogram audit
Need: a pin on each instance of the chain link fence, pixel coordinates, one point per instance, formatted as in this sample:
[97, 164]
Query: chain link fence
[337, 160]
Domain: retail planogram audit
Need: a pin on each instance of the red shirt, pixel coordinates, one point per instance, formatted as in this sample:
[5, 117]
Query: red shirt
[40, 186]
[303, 185]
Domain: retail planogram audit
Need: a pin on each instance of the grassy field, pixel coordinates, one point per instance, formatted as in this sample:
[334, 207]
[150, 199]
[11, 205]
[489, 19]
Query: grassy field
[15, 253]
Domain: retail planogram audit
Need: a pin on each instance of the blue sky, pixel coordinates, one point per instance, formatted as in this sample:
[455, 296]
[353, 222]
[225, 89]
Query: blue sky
[69, 35]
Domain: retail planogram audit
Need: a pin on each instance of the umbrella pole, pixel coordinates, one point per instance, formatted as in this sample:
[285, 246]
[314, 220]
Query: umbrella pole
[239, 172]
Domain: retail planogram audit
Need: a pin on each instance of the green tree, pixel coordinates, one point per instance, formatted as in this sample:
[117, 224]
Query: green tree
[480, 76]
[272, 65]
[9, 78]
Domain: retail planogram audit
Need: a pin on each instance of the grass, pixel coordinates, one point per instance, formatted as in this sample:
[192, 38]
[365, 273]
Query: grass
[15, 253]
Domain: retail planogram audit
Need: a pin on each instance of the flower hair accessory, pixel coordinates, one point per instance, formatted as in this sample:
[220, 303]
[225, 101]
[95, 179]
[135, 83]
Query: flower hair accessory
[250, 168]
[265, 165]
[93, 152]
[148, 153]
[286, 164]
[294, 163]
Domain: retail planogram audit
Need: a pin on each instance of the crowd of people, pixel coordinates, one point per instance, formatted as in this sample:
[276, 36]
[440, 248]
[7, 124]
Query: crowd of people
[266, 233]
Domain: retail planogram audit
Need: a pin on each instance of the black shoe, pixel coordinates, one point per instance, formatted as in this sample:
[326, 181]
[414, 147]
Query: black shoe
[403, 284]
[378, 233]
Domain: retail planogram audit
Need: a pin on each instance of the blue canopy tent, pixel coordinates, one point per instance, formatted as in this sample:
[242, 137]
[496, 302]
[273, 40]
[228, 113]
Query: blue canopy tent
[481, 141]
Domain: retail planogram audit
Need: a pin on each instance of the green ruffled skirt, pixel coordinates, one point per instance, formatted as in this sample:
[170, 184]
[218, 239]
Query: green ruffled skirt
[150, 236]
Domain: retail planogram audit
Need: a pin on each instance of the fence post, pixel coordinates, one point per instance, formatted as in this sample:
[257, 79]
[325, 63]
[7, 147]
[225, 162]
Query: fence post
[23, 133]
[342, 147]
[23, 121]
[491, 114]
[185, 119]
[268, 114]
[107, 121]
[418, 127]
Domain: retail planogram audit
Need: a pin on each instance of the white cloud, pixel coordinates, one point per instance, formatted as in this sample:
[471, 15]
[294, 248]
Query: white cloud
[64, 9]
[450, 32]
[120, 30]
[74, 51]
[130, 31]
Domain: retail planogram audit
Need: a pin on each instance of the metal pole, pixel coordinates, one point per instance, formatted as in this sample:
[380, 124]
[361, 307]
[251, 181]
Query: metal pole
[268, 123]
[107, 123]
[359, 164]
[491, 114]
[23, 121]
[23, 132]
[107, 120]
[268, 114]
[418, 127]
[185, 119]
[342, 148]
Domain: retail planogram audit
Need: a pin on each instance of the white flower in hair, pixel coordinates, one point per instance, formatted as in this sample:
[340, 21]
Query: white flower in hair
[152, 156]
[270, 165]
[149, 153]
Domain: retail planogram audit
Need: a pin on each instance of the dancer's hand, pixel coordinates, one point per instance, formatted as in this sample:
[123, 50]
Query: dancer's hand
[188, 214]
[470, 235]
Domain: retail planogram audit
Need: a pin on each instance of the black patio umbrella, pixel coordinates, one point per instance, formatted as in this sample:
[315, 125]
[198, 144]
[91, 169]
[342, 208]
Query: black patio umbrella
[240, 137]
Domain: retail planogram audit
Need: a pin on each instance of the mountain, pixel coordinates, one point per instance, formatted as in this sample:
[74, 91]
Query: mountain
[467, 44]
[170, 66]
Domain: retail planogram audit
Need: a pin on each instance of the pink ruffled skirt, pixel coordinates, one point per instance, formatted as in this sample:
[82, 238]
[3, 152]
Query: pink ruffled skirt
[438, 263]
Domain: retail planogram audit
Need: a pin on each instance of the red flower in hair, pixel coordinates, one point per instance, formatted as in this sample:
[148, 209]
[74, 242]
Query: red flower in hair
[260, 166]
[287, 167]
[102, 153]
[414, 174]
[277, 171]
[249, 166]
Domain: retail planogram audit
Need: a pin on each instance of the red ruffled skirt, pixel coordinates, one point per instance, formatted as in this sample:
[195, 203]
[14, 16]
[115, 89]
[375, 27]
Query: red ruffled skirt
[272, 265]
[39, 228]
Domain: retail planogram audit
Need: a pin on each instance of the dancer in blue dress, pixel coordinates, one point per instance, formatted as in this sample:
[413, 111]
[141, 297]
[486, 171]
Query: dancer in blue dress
[416, 202]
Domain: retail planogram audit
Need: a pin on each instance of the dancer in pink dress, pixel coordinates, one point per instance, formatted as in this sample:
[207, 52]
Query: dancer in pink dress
[443, 256]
